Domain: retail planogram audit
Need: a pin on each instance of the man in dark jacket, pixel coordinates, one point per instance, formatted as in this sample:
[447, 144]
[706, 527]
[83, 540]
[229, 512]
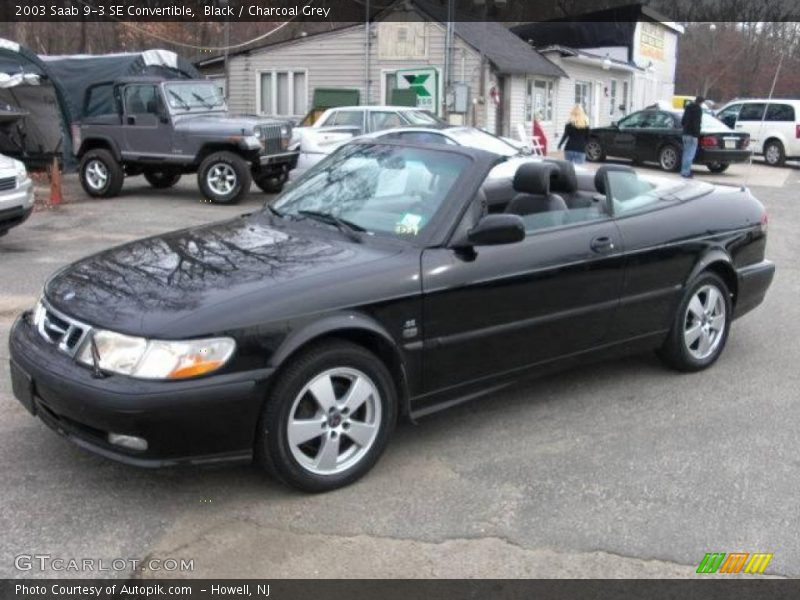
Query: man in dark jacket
[692, 119]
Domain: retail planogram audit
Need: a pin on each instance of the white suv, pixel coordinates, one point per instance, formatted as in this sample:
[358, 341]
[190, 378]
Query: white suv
[773, 125]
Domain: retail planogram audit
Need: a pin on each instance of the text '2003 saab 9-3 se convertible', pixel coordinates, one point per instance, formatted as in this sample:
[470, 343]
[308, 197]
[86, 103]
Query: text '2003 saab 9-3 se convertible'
[390, 281]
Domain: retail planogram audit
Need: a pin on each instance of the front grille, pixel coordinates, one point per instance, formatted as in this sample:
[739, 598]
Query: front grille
[59, 329]
[7, 183]
[271, 139]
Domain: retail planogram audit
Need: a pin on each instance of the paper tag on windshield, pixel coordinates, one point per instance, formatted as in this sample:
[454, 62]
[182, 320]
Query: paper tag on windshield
[408, 225]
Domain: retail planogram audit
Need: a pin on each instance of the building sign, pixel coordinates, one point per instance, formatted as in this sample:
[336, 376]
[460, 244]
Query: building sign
[425, 82]
[651, 42]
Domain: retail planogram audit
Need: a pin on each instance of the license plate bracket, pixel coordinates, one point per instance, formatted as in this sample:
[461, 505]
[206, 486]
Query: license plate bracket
[730, 144]
[22, 386]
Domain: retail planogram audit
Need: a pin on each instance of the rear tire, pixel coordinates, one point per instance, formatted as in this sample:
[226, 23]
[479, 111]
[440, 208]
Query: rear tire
[309, 435]
[718, 167]
[701, 325]
[595, 151]
[162, 179]
[669, 158]
[224, 177]
[101, 175]
[774, 153]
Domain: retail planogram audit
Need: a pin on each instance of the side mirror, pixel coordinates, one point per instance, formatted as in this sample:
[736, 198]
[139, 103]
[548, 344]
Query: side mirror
[493, 230]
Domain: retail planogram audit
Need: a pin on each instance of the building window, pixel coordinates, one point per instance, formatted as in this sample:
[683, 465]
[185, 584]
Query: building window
[612, 105]
[583, 95]
[398, 41]
[283, 93]
[624, 104]
[539, 100]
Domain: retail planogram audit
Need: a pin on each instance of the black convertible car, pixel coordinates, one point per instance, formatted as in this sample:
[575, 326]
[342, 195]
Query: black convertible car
[654, 135]
[392, 280]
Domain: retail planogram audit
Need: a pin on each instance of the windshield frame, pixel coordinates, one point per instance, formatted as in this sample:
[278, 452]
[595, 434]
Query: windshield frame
[451, 207]
[195, 105]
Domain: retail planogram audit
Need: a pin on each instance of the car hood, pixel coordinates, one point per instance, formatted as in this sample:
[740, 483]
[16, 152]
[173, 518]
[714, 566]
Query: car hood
[6, 162]
[179, 282]
[219, 121]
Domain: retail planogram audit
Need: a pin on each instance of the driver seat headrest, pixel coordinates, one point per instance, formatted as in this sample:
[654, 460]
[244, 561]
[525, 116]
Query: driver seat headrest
[563, 180]
[534, 178]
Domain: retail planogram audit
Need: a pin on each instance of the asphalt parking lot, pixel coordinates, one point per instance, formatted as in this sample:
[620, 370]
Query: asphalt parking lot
[619, 469]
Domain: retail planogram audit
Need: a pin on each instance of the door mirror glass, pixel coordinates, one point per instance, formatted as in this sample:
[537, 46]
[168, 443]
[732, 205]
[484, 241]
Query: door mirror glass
[493, 230]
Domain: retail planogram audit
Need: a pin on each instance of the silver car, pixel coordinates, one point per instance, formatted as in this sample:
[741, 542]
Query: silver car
[16, 193]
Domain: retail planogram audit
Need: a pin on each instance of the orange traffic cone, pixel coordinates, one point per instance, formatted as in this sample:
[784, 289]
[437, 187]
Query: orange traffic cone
[55, 183]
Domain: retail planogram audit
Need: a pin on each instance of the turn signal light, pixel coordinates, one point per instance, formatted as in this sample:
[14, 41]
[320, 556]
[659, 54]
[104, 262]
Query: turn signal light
[764, 222]
[192, 366]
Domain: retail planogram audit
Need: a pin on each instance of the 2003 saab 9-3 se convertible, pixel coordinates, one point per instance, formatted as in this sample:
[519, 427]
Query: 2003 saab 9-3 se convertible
[392, 280]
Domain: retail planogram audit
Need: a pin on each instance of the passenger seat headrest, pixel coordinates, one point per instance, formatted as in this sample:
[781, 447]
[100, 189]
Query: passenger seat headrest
[563, 179]
[600, 176]
[534, 178]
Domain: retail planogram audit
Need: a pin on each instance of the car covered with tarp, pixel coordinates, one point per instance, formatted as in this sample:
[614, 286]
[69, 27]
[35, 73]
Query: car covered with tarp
[42, 96]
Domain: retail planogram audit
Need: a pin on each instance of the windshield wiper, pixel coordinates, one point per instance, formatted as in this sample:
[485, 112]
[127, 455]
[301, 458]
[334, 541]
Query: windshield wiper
[349, 228]
[202, 100]
[180, 99]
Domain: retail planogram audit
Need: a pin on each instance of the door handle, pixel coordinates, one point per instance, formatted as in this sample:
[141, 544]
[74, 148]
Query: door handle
[131, 120]
[602, 245]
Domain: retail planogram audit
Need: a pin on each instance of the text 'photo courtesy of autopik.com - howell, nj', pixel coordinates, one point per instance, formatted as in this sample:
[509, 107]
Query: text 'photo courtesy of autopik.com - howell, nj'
[399, 299]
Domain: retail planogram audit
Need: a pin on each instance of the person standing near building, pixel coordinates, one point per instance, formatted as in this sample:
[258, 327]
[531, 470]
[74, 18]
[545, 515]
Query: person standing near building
[576, 134]
[691, 121]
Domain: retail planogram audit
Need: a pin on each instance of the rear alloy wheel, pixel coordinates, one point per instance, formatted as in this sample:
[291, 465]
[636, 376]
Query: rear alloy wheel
[328, 418]
[594, 151]
[224, 177]
[701, 325]
[669, 158]
[718, 167]
[162, 179]
[101, 175]
[774, 154]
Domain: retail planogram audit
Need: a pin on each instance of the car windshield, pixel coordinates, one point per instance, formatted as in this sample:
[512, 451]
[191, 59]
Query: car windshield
[421, 117]
[188, 96]
[378, 188]
[475, 138]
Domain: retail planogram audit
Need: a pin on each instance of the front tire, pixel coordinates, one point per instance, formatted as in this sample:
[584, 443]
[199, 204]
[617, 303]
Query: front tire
[594, 150]
[101, 175]
[669, 158]
[162, 180]
[224, 177]
[774, 154]
[701, 325]
[271, 184]
[328, 418]
[718, 167]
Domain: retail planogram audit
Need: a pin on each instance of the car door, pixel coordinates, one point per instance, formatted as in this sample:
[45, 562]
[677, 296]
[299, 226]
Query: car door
[729, 115]
[749, 121]
[656, 129]
[146, 129]
[506, 308]
[623, 140]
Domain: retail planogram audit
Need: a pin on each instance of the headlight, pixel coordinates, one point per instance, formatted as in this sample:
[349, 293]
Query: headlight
[156, 359]
[251, 142]
[21, 171]
[257, 134]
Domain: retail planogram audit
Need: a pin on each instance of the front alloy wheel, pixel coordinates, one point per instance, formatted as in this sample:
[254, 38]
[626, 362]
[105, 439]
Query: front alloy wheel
[594, 151]
[334, 421]
[328, 417]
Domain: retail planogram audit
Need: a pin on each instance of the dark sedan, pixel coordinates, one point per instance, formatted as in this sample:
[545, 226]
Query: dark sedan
[654, 135]
[393, 280]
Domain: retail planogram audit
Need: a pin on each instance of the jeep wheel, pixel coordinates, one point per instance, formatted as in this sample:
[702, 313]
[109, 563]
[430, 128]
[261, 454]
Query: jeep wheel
[162, 179]
[224, 177]
[271, 184]
[101, 175]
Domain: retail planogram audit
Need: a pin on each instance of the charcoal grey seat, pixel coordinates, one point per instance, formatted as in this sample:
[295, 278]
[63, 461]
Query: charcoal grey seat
[533, 197]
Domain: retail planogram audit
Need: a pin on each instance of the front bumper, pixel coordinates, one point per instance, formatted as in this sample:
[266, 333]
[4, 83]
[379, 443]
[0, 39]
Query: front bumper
[705, 156]
[210, 419]
[753, 283]
[286, 159]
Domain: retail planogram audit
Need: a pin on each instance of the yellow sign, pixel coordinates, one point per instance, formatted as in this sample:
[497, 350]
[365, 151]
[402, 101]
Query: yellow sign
[651, 40]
